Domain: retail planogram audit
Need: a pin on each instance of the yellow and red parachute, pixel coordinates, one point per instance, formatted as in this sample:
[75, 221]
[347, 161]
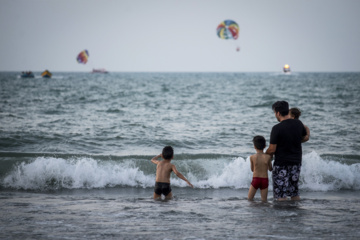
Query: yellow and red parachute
[83, 57]
[228, 29]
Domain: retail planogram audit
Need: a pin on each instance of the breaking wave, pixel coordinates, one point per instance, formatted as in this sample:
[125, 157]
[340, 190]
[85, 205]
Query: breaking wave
[203, 171]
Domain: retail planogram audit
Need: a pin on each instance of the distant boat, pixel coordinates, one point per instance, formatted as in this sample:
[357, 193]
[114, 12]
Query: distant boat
[99, 70]
[286, 68]
[28, 74]
[46, 74]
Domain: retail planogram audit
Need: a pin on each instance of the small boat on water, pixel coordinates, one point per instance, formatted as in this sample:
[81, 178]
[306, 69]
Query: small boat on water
[99, 70]
[46, 74]
[286, 68]
[27, 74]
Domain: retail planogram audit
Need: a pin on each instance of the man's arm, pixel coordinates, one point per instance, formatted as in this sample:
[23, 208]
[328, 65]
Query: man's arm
[271, 150]
[154, 159]
[307, 136]
[181, 176]
[269, 164]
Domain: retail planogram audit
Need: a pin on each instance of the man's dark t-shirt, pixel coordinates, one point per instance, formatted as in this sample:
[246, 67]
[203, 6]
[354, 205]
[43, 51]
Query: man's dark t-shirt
[287, 136]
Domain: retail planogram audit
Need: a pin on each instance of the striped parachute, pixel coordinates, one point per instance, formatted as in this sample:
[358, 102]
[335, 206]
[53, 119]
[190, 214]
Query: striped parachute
[228, 29]
[83, 57]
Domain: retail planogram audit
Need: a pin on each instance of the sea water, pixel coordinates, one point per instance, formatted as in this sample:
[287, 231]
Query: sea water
[75, 155]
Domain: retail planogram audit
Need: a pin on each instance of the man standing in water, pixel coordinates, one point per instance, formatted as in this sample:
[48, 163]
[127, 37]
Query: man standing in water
[285, 143]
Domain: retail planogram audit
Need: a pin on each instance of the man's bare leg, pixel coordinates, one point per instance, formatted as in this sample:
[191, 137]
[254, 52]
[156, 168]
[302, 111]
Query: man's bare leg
[296, 198]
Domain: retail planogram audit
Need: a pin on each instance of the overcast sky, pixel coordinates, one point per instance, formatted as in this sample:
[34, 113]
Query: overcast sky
[165, 35]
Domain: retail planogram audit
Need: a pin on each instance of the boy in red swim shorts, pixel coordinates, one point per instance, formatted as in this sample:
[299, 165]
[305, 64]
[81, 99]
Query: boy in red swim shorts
[260, 164]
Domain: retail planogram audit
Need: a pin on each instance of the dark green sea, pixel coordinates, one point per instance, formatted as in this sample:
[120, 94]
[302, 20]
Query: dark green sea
[75, 155]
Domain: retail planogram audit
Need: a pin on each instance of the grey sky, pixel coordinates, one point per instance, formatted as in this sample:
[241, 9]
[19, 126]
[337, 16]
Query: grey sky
[165, 35]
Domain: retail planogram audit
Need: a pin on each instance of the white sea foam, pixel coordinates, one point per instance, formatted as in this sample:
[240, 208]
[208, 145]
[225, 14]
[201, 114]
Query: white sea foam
[52, 173]
[235, 174]
[318, 174]
[45, 173]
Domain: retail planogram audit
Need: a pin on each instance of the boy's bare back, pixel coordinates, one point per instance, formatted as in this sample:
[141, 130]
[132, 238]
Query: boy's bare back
[260, 164]
[163, 171]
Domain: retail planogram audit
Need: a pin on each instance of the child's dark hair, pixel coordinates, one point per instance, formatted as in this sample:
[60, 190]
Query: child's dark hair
[168, 152]
[282, 107]
[295, 112]
[259, 142]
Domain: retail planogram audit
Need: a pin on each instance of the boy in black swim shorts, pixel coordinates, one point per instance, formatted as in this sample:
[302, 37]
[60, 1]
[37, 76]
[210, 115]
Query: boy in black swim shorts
[163, 171]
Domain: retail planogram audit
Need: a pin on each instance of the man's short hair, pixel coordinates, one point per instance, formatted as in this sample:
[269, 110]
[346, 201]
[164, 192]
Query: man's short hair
[168, 152]
[295, 112]
[259, 142]
[281, 107]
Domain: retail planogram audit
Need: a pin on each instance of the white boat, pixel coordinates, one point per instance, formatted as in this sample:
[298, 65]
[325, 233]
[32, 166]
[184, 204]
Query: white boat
[99, 70]
[286, 68]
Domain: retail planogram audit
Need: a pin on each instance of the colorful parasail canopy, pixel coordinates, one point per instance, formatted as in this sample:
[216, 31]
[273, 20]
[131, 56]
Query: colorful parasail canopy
[228, 29]
[83, 57]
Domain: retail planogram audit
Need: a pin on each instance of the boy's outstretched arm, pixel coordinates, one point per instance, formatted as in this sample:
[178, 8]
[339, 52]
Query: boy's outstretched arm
[181, 176]
[154, 159]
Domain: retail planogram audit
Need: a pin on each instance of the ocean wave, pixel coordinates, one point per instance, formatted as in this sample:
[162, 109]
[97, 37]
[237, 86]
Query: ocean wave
[205, 171]
[48, 173]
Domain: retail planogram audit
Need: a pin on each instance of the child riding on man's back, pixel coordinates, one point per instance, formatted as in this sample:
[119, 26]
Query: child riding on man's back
[295, 113]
